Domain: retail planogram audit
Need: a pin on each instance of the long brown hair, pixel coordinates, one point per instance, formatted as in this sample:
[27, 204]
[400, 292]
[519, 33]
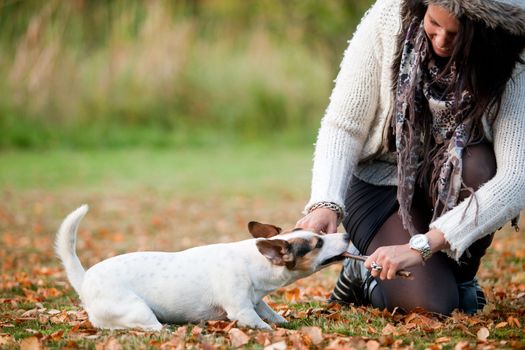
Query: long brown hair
[485, 59]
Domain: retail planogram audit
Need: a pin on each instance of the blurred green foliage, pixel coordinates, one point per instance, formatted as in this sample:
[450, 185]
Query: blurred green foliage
[99, 73]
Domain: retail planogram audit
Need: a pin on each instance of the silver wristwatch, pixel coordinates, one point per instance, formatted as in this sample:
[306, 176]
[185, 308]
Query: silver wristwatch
[420, 243]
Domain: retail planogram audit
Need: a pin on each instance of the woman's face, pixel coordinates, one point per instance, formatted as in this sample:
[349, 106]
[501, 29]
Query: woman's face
[441, 27]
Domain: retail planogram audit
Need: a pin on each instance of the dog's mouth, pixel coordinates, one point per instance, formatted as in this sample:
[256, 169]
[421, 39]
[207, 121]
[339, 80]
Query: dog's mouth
[333, 259]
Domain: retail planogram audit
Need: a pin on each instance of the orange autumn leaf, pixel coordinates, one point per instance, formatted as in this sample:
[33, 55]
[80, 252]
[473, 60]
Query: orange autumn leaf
[442, 340]
[314, 333]
[262, 338]
[462, 345]
[31, 343]
[514, 322]
[57, 335]
[292, 295]
[109, 344]
[220, 326]
[372, 345]
[196, 331]
[6, 339]
[389, 329]
[238, 338]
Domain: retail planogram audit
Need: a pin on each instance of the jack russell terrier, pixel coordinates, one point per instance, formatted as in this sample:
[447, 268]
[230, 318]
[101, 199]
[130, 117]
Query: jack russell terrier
[210, 282]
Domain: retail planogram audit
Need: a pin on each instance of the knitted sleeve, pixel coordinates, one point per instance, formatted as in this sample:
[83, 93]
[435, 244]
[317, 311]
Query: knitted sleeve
[353, 103]
[503, 197]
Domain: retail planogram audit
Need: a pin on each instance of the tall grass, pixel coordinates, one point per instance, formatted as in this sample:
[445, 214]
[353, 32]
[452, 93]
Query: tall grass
[97, 74]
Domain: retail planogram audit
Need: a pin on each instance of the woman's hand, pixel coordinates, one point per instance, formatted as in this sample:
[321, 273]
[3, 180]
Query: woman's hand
[396, 257]
[320, 220]
[392, 259]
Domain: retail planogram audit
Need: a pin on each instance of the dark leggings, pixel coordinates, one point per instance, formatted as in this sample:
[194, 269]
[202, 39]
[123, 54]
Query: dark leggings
[373, 222]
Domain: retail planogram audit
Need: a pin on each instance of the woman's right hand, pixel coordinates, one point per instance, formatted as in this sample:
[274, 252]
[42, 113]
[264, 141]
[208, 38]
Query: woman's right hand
[320, 220]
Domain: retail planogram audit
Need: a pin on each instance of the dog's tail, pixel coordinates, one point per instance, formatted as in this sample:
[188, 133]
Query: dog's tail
[65, 247]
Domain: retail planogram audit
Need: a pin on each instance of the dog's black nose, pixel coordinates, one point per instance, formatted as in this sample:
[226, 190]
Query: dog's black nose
[346, 237]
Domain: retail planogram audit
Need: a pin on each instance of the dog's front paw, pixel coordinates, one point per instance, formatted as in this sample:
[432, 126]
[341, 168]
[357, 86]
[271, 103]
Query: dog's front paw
[260, 324]
[278, 319]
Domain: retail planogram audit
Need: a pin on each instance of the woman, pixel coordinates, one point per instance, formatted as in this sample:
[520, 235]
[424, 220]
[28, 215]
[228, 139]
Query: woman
[420, 153]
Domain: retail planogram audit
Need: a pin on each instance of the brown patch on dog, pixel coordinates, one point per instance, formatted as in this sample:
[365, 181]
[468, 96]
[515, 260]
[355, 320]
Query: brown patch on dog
[259, 230]
[277, 251]
[305, 251]
[295, 254]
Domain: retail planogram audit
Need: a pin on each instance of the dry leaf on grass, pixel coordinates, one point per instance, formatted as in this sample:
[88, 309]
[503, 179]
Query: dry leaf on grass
[482, 334]
[263, 338]
[372, 345]
[462, 345]
[238, 338]
[314, 333]
[442, 340]
[31, 343]
[220, 326]
[389, 329]
[292, 295]
[109, 344]
[502, 325]
[276, 346]
[514, 322]
[6, 339]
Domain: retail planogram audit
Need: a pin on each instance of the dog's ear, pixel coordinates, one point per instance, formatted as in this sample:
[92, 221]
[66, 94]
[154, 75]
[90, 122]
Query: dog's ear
[278, 251]
[259, 230]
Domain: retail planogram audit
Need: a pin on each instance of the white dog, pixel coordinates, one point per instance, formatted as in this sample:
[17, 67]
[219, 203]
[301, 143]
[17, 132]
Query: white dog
[210, 282]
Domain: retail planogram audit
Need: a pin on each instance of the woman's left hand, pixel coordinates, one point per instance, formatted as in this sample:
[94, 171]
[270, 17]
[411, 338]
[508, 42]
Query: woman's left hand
[392, 259]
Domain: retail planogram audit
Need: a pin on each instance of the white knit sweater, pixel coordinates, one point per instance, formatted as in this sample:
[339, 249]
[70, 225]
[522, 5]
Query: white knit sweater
[358, 117]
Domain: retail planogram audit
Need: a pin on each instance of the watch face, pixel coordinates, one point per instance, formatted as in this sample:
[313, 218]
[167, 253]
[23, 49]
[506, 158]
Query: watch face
[419, 241]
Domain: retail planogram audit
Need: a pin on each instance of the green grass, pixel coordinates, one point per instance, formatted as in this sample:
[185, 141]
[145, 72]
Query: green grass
[246, 170]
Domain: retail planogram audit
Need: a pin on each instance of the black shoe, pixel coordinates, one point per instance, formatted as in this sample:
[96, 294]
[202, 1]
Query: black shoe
[355, 283]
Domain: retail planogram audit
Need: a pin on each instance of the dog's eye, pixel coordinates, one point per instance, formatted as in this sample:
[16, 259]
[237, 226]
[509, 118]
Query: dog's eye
[319, 243]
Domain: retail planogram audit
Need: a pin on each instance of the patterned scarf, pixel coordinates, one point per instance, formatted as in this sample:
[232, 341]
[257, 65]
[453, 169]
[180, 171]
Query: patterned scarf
[431, 125]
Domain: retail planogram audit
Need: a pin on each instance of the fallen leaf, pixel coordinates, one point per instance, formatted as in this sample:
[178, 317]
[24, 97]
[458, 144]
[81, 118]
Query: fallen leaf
[181, 331]
[109, 344]
[514, 322]
[175, 343]
[57, 335]
[292, 295]
[300, 341]
[482, 334]
[5, 339]
[462, 345]
[31, 343]
[276, 346]
[220, 326]
[386, 340]
[314, 333]
[196, 332]
[262, 338]
[238, 338]
[372, 345]
[434, 347]
[442, 340]
[389, 329]
[501, 325]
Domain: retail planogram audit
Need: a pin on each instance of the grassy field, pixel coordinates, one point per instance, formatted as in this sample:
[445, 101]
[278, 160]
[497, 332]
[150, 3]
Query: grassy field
[174, 199]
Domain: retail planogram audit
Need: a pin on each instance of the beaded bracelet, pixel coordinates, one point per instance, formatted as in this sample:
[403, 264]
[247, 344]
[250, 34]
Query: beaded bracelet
[328, 205]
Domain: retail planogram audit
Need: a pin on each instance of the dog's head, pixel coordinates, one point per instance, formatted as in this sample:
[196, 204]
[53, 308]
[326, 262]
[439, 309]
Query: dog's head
[298, 250]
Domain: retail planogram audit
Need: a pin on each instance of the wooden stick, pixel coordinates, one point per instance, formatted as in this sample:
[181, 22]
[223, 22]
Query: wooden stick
[400, 273]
